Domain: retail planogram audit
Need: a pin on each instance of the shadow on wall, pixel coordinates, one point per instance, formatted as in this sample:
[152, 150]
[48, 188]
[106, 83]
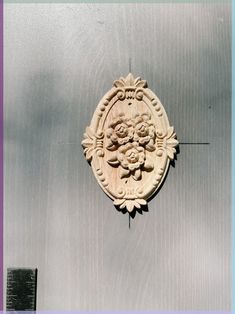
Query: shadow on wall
[44, 116]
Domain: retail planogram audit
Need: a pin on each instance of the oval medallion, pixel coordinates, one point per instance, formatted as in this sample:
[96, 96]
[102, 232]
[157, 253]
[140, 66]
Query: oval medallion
[129, 143]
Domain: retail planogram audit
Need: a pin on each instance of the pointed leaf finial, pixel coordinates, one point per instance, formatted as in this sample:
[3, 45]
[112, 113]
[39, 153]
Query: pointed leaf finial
[130, 81]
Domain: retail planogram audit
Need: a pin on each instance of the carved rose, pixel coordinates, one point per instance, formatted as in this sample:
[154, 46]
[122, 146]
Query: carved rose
[132, 159]
[120, 132]
[144, 131]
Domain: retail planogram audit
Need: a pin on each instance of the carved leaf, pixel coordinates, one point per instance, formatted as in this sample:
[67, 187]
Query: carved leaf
[170, 153]
[124, 172]
[136, 204]
[89, 144]
[130, 204]
[150, 147]
[140, 83]
[119, 83]
[137, 174]
[87, 141]
[148, 166]
[123, 205]
[141, 201]
[130, 81]
[118, 202]
[171, 143]
[89, 153]
[89, 132]
[111, 146]
[113, 161]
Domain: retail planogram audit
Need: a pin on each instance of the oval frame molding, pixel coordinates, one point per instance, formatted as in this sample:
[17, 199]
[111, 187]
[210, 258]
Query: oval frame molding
[130, 143]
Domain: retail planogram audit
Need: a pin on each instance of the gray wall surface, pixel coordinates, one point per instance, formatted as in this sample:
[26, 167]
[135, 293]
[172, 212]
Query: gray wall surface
[59, 61]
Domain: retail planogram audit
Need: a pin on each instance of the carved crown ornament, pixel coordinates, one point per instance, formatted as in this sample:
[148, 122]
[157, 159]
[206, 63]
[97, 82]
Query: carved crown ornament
[130, 143]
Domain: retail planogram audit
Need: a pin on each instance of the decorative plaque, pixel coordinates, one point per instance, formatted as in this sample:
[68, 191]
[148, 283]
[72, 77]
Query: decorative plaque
[130, 143]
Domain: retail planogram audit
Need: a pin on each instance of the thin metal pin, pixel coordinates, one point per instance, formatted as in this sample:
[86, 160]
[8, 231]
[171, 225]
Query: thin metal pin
[194, 143]
[129, 65]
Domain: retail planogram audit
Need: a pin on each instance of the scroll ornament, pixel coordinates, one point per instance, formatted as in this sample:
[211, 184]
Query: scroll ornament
[130, 143]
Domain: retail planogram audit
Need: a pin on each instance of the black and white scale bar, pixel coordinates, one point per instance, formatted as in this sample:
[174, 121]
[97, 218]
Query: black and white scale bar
[21, 289]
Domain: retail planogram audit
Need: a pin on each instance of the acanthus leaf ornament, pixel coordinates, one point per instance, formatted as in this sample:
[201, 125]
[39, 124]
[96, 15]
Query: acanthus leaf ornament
[130, 143]
[92, 143]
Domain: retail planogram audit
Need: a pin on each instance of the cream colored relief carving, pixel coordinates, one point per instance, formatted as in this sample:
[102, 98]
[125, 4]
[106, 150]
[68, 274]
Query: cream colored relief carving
[130, 143]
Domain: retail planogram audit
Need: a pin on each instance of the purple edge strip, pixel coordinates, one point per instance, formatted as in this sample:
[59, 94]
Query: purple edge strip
[1, 155]
[1, 185]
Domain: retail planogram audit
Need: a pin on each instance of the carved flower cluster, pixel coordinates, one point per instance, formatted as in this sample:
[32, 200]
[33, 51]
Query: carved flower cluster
[139, 129]
[130, 138]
